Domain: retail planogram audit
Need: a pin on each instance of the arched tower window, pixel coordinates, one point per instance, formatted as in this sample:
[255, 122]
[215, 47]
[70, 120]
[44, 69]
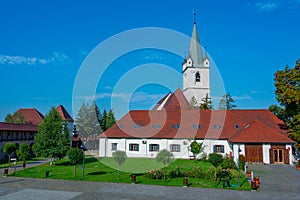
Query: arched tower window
[197, 77]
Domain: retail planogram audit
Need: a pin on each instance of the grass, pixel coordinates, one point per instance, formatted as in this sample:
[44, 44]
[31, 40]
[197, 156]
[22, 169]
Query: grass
[105, 170]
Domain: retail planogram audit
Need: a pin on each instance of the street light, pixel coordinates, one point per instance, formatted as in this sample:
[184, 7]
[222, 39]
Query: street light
[83, 148]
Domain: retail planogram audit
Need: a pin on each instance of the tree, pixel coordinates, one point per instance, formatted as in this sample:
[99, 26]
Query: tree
[8, 118]
[165, 157]
[103, 120]
[196, 148]
[16, 118]
[120, 157]
[88, 125]
[75, 155]
[215, 159]
[287, 84]
[9, 148]
[279, 112]
[52, 139]
[110, 120]
[206, 103]
[193, 103]
[23, 152]
[227, 102]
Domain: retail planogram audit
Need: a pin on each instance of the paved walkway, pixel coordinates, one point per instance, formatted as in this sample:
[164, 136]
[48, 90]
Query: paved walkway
[26, 188]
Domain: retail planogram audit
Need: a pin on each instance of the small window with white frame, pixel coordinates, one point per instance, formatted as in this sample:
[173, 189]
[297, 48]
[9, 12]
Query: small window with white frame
[114, 146]
[175, 147]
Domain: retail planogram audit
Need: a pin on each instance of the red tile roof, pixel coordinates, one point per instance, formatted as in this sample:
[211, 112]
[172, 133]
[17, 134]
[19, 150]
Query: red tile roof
[64, 114]
[17, 127]
[173, 101]
[31, 115]
[257, 132]
[215, 124]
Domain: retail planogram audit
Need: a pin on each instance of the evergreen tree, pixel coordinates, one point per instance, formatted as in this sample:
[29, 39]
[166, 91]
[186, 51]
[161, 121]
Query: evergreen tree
[87, 122]
[227, 102]
[52, 139]
[110, 121]
[193, 103]
[104, 120]
[206, 103]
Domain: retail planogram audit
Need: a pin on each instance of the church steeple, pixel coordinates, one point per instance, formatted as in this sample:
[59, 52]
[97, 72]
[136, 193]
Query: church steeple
[196, 70]
[195, 51]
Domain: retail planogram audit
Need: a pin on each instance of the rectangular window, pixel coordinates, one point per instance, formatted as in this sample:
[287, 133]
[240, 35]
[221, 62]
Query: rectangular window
[114, 146]
[133, 147]
[218, 148]
[154, 147]
[175, 147]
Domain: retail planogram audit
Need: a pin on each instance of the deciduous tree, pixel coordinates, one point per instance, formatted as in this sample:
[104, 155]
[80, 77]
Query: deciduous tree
[120, 157]
[52, 139]
[287, 83]
[165, 157]
[75, 155]
[9, 148]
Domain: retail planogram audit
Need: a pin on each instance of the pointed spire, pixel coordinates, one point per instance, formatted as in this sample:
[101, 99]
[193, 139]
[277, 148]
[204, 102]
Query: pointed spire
[195, 51]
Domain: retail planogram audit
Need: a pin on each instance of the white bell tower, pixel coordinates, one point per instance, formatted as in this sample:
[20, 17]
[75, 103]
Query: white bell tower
[195, 70]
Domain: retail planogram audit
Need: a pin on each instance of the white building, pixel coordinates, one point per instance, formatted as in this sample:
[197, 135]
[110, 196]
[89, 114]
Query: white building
[257, 134]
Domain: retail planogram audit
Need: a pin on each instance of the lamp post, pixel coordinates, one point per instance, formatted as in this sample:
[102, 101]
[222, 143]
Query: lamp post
[83, 148]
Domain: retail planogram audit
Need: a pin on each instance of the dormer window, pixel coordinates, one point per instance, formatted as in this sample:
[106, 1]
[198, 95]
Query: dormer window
[197, 77]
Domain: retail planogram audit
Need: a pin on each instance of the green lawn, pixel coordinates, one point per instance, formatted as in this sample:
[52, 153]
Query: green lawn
[105, 170]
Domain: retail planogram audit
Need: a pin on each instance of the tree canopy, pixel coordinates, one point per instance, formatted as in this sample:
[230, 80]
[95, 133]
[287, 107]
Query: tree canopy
[16, 118]
[227, 102]
[9, 148]
[287, 84]
[206, 103]
[193, 103]
[23, 152]
[75, 155]
[120, 157]
[52, 139]
[196, 148]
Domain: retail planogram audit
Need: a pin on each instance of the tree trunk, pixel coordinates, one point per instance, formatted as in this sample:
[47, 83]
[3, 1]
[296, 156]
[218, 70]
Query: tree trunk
[8, 159]
[119, 173]
[74, 170]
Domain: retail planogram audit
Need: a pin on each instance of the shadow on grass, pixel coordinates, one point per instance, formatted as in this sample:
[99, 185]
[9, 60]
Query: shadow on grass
[97, 173]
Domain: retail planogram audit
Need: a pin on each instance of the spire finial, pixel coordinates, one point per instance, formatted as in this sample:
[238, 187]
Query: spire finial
[194, 13]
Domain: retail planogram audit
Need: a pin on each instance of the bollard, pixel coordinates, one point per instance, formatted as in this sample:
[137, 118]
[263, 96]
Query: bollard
[257, 183]
[253, 185]
[185, 181]
[133, 179]
[5, 171]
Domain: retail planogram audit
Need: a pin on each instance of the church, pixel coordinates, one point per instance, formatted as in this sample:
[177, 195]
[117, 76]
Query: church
[256, 134]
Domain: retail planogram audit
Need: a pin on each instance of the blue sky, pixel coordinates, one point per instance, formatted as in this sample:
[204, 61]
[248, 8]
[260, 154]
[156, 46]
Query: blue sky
[44, 43]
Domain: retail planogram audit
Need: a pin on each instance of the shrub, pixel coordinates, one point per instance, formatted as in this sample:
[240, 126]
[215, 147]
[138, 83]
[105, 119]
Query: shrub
[198, 172]
[155, 174]
[228, 163]
[215, 159]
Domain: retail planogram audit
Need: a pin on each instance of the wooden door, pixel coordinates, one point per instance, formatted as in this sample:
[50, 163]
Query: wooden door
[254, 153]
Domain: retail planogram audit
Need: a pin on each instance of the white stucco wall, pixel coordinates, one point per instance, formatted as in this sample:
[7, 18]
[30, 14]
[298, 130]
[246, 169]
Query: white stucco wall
[266, 153]
[289, 146]
[105, 147]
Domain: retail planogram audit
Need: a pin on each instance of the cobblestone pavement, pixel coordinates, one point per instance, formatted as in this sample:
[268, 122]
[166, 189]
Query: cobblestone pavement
[286, 187]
